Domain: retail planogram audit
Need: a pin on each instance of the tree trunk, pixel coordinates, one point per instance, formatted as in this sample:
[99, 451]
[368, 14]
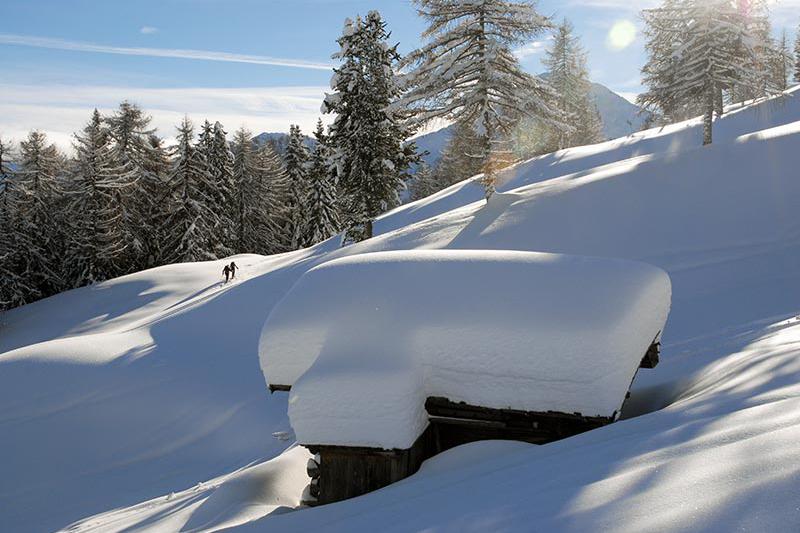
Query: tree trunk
[488, 133]
[708, 119]
[719, 105]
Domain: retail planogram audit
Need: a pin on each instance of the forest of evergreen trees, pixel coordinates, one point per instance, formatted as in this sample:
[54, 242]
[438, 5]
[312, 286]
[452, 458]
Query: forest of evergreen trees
[124, 200]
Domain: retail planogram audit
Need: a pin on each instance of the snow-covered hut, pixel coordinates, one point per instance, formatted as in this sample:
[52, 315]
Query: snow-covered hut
[392, 357]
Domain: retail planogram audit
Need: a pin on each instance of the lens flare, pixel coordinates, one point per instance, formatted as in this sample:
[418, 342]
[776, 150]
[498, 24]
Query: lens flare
[621, 35]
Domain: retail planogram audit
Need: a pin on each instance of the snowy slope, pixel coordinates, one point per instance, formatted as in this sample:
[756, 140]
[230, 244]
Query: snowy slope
[149, 384]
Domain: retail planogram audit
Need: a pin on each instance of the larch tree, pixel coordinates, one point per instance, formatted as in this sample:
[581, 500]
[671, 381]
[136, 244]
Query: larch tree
[424, 183]
[567, 73]
[97, 239]
[254, 208]
[368, 138]
[698, 49]
[782, 63]
[321, 206]
[462, 157]
[273, 184]
[466, 73]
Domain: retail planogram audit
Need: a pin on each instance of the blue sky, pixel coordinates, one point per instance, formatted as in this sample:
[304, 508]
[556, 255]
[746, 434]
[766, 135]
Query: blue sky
[259, 63]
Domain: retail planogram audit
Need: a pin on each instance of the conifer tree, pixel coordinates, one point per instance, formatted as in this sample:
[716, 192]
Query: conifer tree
[797, 56]
[424, 183]
[33, 202]
[213, 147]
[762, 55]
[13, 289]
[698, 49]
[782, 63]
[254, 207]
[296, 158]
[273, 184]
[368, 137]
[467, 73]
[321, 205]
[189, 223]
[567, 74]
[462, 157]
[97, 241]
[137, 188]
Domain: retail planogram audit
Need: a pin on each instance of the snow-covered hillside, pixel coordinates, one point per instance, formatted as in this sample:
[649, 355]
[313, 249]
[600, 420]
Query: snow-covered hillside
[142, 398]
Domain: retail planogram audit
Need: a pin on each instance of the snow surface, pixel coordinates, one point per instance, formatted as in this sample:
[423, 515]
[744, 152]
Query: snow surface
[364, 340]
[130, 390]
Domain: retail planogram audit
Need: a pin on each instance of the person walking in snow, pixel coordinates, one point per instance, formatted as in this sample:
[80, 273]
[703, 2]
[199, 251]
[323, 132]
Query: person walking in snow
[233, 268]
[227, 272]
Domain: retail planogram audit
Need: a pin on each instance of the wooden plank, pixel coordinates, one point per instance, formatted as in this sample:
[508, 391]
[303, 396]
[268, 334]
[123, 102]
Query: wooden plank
[651, 358]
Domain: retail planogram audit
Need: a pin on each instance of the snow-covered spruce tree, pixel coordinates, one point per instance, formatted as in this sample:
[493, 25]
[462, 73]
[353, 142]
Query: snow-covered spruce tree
[97, 240]
[213, 147]
[137, 188]
[466, 73]
[296, 164]
[189, 224]
[33, 201]
[322, 213]
[368, 138]
[253, 207]
[13, 291]
[698, 49]
[797, 56]
[567, 74]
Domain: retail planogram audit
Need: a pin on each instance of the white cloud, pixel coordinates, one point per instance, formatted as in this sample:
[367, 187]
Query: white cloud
[205, 55]
[61, 110]
[147, 30]
[528, 50]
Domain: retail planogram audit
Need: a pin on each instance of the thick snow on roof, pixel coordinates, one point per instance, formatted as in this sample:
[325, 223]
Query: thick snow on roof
[376, 334]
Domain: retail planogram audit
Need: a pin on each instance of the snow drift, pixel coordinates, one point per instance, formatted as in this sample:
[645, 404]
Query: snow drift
[365, 340]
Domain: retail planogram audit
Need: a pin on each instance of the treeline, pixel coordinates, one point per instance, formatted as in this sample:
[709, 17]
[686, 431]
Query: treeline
[125, 202]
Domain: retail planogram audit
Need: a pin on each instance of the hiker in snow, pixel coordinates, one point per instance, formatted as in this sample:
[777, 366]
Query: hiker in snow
[227, 272]
[233, 268]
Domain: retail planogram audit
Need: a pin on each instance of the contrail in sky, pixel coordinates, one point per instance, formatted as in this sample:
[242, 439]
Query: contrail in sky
[202, 55]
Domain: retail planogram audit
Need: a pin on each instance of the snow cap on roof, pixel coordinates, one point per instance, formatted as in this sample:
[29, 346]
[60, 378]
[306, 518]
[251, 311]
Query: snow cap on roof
[364, 340]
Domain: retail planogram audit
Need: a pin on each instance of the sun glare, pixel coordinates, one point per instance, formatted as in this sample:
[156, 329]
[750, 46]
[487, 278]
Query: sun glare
[621, 35]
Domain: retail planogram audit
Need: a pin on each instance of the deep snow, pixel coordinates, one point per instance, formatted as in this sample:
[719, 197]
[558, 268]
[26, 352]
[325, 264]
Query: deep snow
[149, 384]
[365, 340]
